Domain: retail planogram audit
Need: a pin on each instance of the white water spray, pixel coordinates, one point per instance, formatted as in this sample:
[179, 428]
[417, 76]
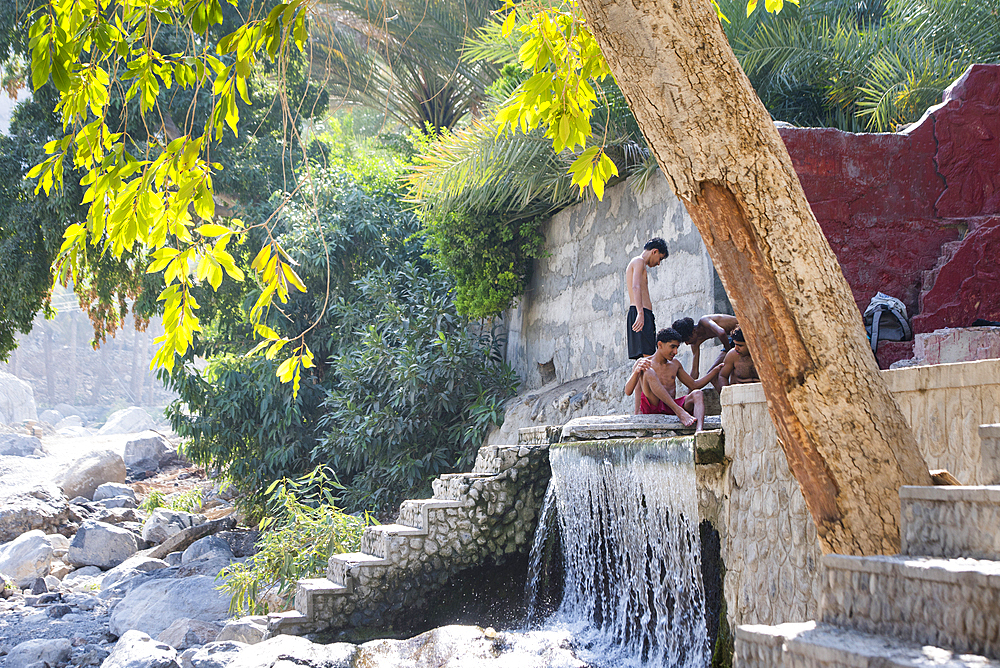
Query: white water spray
[628, 512]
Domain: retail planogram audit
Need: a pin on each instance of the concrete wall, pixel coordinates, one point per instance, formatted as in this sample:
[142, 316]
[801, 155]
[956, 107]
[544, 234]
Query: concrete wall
[769, 543]
[573, 314]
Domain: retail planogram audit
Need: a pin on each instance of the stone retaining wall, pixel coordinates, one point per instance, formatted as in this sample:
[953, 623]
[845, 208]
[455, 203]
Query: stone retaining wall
[769, 542]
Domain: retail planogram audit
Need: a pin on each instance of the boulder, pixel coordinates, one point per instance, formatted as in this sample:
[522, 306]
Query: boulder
[213, 655]
[86, 579]
[67, 410]
[59, 543]
[185, 633]
[205, 566]
[154, 605]
[50, 417]
[250, 630]
[42, 508]
[86, 474]
[19, 445]
[209, 547]
[127, 421]
[285, 649]
[51, 651]
[147, 451]
[164, 523]
[17, 399]
[110, 490]
[26, 558]
[138, 563]
[69, 421]
[119, 502]
[101, 545]
[75, 432]
[136, 649]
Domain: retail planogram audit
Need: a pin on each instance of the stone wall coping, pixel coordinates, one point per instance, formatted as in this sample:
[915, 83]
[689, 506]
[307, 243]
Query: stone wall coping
[773, 636]
[989, 431]
[951, 494]
[909, 379]
[977, 572]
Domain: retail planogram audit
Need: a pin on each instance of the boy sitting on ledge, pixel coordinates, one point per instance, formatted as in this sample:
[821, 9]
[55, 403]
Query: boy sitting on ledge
[738, 366]
[655, 376]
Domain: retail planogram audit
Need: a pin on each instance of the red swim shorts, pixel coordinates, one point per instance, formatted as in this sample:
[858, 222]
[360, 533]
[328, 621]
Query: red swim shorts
[662, 409]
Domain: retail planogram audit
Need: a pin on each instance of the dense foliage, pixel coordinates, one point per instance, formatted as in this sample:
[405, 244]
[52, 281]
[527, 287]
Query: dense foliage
[404, 387]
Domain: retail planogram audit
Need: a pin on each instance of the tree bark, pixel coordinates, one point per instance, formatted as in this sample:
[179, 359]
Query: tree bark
[842, 432]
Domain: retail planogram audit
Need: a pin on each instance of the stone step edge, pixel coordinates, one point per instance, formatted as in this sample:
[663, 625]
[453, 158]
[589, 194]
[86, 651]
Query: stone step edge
[989, 494]
[846, 647]
[977, 572]
[427, 505]
[291, 622]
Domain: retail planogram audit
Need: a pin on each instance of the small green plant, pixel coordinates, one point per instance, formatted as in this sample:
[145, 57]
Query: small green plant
[302, 529]
[189, 501]
[154, 500]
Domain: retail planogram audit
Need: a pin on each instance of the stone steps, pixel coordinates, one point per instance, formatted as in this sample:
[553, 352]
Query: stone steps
[471, 515]
[953, 603]
[950, 522]
[812, 645]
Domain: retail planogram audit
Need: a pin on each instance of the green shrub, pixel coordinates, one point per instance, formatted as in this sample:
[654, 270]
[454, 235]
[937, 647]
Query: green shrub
[303, 529]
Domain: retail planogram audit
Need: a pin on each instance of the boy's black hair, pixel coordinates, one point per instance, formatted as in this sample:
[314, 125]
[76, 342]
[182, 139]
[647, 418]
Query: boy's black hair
[684, 327]
[737, 336]
[657, 243]
[668, 334]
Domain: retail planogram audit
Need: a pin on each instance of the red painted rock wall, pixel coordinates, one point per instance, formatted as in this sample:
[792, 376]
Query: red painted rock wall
[888, 202]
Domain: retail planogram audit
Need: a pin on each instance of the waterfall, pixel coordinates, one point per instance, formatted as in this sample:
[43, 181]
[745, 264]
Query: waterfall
[628, 519]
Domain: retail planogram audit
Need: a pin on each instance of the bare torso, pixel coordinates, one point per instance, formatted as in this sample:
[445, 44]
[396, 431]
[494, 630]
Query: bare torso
[744, 371]
[666, 373]
[641, 299]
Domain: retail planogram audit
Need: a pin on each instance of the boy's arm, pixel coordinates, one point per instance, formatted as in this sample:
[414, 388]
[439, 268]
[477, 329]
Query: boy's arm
[693, 384]
[696, 362]
[728, 364]
[640, 365]
[717, 331]
[638, 279]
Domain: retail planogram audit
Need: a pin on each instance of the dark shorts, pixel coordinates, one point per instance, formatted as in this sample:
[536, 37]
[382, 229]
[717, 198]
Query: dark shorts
[644, 342]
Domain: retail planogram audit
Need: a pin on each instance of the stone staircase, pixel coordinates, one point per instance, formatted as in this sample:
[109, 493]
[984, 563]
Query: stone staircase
[488, 513]
[935, 604]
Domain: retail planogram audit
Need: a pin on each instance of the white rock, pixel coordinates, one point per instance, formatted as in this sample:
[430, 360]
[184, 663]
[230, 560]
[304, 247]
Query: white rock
[185, 633]
[75, 432]
[283, 648]
[51, 651]
[84, 579]
[102, 545]
[19, 445]
[59, 569]
[69, 421]
[164, 523]
[135, 649]
[86, 474]
[17, 399]
[153, 606]
[217, 654]
[41, 508]
[146, 450]
[50, 417]
[26, 558]
[59, 543]
[209, 547]
[110, 490]
[119, 502]
[127, 421]
[249, 630]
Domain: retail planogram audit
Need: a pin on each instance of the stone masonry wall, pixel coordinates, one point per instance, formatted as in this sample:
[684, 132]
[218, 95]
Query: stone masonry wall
[769, 543]
[573, 313]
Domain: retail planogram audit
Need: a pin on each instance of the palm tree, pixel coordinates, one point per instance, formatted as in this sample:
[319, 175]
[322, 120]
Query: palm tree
[403, 57]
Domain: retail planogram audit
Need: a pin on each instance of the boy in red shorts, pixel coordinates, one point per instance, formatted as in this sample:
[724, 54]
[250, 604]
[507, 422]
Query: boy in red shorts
[656, 378]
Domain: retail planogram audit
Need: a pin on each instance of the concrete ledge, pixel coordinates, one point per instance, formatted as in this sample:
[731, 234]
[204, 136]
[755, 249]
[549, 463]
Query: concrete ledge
[976, 572]
[951, 493]
[629, 426]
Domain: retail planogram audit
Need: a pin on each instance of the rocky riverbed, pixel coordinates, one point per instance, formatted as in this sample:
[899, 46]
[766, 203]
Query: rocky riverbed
[90, 579]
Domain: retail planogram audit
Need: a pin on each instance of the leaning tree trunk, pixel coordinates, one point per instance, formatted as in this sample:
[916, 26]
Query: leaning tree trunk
[842, 432]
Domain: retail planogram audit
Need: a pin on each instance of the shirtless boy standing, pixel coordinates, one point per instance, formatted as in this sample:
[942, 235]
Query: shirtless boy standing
[640, 328]
[655, 376]
[713, 326]
[738, 366]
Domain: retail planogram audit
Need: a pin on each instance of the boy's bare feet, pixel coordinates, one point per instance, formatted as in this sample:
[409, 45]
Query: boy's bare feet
[686, 418]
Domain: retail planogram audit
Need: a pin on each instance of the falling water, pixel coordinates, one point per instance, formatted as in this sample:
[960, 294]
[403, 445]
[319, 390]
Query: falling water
[628, 515]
